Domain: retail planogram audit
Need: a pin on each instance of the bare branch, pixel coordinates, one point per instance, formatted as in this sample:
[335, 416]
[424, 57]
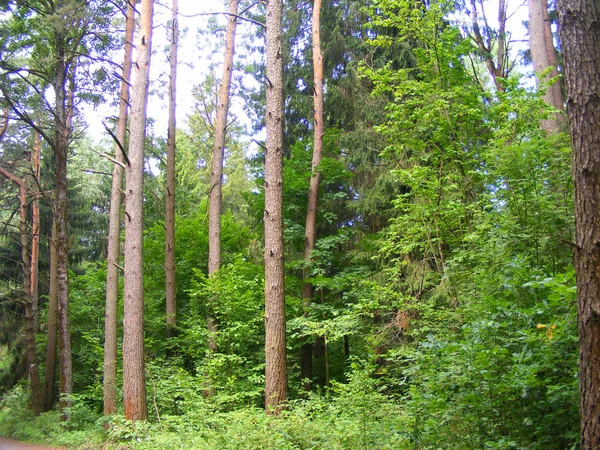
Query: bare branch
[237, 16]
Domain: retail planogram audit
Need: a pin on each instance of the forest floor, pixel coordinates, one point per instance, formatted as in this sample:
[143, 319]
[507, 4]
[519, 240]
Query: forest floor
[9, 444]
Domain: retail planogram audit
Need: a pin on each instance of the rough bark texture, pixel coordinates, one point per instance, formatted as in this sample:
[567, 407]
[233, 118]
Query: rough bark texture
[50, 375]
[114, 230]
[543, 55]
[170, 201]
[134, 386]
[275, 360]
[216, 174]
[35, 223]
[30, 306]
[580, 37]
[310, 230]
[60, 217]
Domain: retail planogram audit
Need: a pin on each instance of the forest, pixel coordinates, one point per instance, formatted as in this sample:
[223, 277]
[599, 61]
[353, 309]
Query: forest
[374, 225]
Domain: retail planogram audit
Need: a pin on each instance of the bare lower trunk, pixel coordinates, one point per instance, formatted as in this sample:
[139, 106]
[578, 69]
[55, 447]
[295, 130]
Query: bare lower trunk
[134, 385]
[310, 232]
[30, 306]
[171, 301]
[35, 223]
[275, 359]
[50, 375]
[114, 230]
[580, 39]
[216, 175]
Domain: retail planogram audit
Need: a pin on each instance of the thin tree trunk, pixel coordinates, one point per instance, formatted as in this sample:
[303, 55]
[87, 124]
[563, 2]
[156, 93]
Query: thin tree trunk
[216, 175]
[580, 39]
[134, 386]
[171, 299]
[310, 231]
[50, 375]
[275, 359]
[543, 56]
[30, 307]
[497, 69]
[114, 229]
[35, 224]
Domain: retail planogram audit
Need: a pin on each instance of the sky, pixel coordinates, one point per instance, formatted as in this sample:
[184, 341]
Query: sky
[194, 57]
[197, 52]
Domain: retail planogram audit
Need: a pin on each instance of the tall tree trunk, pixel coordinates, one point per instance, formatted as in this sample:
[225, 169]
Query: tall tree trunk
[35, 222]
[134, 385]
[310, 232]
[114, 228]
[171, 300]
[580, 38]
[216, 175]
[30, 306]
[61, 145]
[543, 56]
[49, 376]
[275, 360]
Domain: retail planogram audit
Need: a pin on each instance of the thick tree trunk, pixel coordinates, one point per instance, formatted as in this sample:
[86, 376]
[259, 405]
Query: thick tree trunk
[50, 375]
[543, 55]
[216, 175]
[134, 385]
[60, 217]
[275, 359]
[171, 300]
[114, 229]
[310, 232]
[580, 39]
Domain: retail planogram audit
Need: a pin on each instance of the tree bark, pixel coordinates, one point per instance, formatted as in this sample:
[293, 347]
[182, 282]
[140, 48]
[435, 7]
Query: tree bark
[216, 175]
[580, 37]
[30, 306]
[60, 217]
[50, 375]
[35, 223]
[310, 232]
[497, 69]
[134, 386]
[171, 300]
[275, 358]
[114, 229]
[543, 55]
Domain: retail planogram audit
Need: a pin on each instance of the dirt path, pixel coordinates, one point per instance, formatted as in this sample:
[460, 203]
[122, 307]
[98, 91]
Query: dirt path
[9, 444]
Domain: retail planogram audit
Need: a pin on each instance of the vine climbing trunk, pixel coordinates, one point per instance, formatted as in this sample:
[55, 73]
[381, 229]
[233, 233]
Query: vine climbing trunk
[171, 300]
[310, 233]
[580, 38]
[114, 228]
[134, 384]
